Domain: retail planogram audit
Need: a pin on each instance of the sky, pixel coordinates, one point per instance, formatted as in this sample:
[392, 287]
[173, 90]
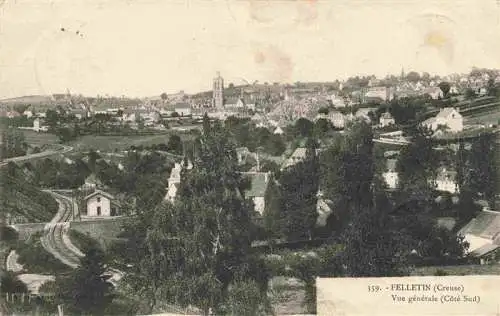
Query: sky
[146, 47]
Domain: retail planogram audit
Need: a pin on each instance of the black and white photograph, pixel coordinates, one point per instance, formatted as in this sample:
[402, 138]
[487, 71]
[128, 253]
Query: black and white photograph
[195, 157]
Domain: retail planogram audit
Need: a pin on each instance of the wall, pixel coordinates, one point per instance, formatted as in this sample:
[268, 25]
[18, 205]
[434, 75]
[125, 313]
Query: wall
[102, 230]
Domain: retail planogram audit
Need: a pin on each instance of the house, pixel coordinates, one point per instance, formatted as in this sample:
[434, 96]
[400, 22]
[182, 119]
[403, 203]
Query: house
[28, 113]
[363, 114]
[449, 118]
[183, 109]
[298, 155]
[92, 182]
[380, 93]
[446, 181]
[386, 119]
[337, 119]
[390, 175]
[278, 131]
[257, 190]
[175, 180]
[100, 203]
[434, 92]
[38, 127]
[483, 235]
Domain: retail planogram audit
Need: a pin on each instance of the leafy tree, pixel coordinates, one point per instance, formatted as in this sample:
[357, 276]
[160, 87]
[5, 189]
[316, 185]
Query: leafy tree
[417, 164]
[274, 221]
[164, 96]
[445, 87]
[174, 114]
[304, 127]
[175, 144]
[193, 250]
[9, 283]
[86, 290]
[299, 190]
[322, 127]
[470, 94]
[413, 76]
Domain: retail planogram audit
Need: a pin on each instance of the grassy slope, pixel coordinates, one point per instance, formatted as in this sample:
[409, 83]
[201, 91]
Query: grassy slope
[29, 202]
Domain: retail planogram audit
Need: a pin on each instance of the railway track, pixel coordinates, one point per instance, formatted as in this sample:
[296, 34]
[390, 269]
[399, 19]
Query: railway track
[55, 239]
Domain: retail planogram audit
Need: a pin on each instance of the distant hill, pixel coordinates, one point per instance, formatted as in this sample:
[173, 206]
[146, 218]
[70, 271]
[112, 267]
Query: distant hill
[30, 99]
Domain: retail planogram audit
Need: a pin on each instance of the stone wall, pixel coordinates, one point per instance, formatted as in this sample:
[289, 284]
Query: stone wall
[102, 230]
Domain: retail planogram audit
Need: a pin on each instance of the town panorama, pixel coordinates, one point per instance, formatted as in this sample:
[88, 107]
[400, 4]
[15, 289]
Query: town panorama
[232, 201]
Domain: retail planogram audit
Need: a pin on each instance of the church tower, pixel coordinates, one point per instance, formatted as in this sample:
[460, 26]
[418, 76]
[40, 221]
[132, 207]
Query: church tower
[218, 92]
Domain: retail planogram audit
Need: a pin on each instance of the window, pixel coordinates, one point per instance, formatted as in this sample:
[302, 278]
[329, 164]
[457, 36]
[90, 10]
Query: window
[98, 211]
[99, 199]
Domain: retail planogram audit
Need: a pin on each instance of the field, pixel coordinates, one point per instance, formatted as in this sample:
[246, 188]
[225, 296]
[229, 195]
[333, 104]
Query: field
[39, 139]
[102, 143]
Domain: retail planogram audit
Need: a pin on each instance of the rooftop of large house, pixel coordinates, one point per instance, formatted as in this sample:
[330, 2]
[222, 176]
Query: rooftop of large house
[483, 233]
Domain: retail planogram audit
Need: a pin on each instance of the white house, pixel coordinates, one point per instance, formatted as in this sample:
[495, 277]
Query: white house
[174, 180]
[446, 181]
[447, 117]
[386, 119]
[100, 203]
[390, 175]
[278, 131]
[91, 182]
[483, 235]
[257, 190]
[28, 113]
[338, 119]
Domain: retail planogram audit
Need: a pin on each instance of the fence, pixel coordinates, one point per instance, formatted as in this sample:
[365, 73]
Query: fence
[26, 298]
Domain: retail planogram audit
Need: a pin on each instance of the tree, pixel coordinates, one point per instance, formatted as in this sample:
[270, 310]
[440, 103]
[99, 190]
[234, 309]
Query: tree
[174, 114]
[274, 221]
[445, 87]
[417, 164]
[87, 289]
[413, 76]
[175, 144]
[299, 190]
[190, 252]
[322, 127]
[164, 96]
[304, 127]
[470, 94]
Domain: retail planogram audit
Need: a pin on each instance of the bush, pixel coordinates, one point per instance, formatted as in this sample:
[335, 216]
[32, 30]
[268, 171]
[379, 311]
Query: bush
[11, 284]
[83, 242]
[36, 259]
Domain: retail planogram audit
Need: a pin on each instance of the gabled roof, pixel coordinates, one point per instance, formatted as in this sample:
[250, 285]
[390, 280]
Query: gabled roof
[446, 112]
[485, 225]
[99, 192]
[386, 116]
[93, 179]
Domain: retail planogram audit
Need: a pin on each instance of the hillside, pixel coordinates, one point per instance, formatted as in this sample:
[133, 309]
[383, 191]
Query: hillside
[23, 202]
[30, 99]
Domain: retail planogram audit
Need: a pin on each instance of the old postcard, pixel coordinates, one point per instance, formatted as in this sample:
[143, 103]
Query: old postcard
[249, 157]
